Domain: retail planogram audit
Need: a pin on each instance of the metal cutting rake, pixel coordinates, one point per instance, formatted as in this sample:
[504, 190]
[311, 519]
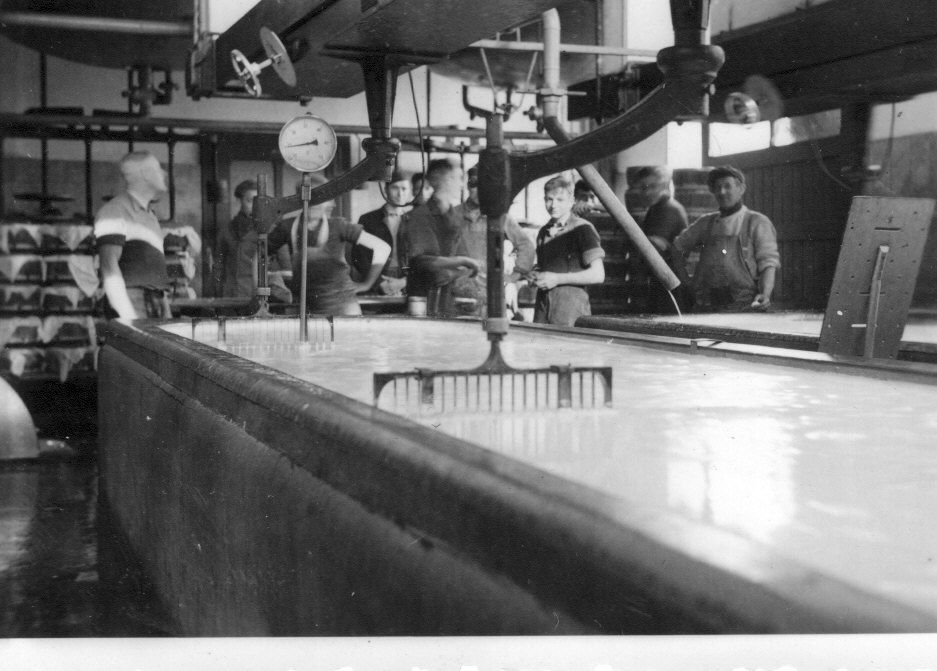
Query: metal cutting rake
[494, 386]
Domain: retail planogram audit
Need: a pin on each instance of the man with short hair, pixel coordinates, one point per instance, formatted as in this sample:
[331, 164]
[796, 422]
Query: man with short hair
[130, 243]
[384, 223]
[586, 200]
[422, 190]
[239, 246]
[738, 249]
[665, 219]
[569, 258]
[435, 251]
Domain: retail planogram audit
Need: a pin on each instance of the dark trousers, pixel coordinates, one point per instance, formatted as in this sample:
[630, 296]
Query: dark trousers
[148, 303]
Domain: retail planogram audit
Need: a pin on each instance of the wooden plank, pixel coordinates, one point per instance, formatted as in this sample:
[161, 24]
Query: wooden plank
[796, 270]
[901, 226]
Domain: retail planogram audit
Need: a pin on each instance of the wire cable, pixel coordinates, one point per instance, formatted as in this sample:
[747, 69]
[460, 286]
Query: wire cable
[419, 131]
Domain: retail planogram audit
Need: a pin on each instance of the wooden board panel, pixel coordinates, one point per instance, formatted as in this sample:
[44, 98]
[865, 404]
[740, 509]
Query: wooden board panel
[898, 226]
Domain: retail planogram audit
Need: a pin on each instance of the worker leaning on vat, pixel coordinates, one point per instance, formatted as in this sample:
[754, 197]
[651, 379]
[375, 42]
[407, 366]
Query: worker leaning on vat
[738, 249]
[130, 243]
[330, 288]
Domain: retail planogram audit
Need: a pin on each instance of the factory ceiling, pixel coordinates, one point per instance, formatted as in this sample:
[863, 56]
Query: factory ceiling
[818, 57]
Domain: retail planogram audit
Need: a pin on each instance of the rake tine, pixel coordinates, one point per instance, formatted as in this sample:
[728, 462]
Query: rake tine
[426, 379]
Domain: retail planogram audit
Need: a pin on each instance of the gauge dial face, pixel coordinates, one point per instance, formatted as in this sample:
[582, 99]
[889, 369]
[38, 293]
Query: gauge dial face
[307, 143]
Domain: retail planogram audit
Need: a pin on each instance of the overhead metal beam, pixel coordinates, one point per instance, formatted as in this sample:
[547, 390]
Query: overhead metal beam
[596, 50]
[319, 34]
[96, 23]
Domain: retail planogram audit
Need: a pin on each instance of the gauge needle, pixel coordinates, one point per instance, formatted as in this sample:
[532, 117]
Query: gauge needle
[303, 144]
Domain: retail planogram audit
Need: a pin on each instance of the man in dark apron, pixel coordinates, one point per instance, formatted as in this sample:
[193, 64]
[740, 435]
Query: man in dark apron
[738, 250]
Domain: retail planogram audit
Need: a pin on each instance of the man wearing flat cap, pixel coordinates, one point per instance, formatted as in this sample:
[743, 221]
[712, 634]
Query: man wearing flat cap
[738, 249]
[238, 246]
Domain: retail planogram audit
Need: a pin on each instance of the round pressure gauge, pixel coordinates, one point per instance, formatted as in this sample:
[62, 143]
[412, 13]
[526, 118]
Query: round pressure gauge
[307, 143]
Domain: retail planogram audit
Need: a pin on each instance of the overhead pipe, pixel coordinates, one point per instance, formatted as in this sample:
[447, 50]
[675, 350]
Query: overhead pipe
[200, 19]
[96, 23]
[588, 49]
[20, 121]
[551, 123]
[171, 172]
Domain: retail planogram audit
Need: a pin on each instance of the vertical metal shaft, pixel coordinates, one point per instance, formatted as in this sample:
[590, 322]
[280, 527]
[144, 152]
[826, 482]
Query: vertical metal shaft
[303, 243]
[171, 172]
[89, 197]
[495, 201]
[130, 112]
[43, 142]
[3, 207]
[263, 291]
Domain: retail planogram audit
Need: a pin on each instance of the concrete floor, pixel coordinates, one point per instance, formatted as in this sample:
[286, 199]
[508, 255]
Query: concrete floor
[61, 571]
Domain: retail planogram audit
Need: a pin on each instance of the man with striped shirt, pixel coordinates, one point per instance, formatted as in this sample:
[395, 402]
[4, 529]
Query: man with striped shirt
[130, 243]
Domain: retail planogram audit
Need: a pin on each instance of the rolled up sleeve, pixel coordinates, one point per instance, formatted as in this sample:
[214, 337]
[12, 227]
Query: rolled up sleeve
[765, 243]
[590, 245]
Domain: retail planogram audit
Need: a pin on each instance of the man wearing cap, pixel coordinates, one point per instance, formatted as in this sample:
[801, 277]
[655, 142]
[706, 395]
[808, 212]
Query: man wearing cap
[239, 246]
[738, 249]
[384, 223]
[475, 232]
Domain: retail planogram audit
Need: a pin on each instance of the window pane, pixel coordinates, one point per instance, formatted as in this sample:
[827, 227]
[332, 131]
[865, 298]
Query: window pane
[730, 138]
[807, 127]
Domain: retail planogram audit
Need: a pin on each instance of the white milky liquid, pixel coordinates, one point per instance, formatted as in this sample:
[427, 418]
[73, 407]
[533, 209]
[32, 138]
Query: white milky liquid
[836, 471]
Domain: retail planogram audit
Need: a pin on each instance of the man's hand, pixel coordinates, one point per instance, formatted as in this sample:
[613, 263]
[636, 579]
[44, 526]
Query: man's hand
[193, 238]
[545, 279]
[761, 302]
[510, 296]
[392, 286]
[660, 243]
[470, 263]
